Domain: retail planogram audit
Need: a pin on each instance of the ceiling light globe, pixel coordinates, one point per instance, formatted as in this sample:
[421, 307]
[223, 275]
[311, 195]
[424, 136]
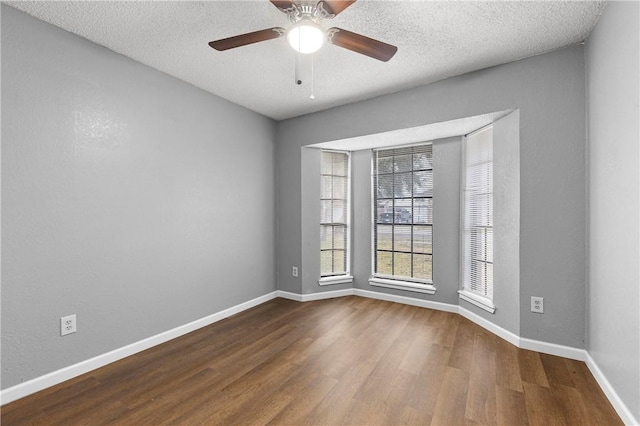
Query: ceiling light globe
[305, 37]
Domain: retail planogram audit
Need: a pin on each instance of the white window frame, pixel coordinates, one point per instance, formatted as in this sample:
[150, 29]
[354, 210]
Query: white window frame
[466, 293]
[346, 277]
[380, 280]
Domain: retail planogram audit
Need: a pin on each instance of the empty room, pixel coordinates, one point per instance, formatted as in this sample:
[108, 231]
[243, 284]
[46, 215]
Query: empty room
[320, 212]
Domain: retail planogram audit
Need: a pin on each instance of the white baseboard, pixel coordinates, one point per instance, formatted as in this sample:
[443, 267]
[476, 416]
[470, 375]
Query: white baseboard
[327, 295]
[314, 296]
[39, 383]
[621, 408]
[523, 342]
[406, 300]
[553, 349]
[288, 295]
[507, 335]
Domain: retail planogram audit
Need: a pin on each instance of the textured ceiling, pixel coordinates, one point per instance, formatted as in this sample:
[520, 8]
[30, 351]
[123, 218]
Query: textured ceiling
[435, 39]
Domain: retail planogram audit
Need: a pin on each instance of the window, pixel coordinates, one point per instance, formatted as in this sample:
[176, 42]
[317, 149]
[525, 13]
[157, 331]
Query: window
[477, 218]
[403, 218]
[334, 217]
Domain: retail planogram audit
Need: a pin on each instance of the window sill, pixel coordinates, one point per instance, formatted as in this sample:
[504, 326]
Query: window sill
[403, 285]
[479, 301]
[340, 279]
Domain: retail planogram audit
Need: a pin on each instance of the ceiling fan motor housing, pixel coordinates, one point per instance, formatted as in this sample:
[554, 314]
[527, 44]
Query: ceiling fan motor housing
[316, 12]
[306, 35]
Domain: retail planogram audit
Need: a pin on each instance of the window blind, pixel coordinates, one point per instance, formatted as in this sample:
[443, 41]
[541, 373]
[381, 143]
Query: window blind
[334, 203]
[478, 213]
[403, 211]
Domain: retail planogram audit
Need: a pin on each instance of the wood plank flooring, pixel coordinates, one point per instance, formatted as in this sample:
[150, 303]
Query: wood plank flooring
[349, 360]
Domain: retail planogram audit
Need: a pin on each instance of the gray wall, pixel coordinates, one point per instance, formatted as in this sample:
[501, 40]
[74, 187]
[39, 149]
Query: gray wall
[506, 222]
[613, 317]
[549, 91]
[361, 219]
[129, 198]
[310, 213]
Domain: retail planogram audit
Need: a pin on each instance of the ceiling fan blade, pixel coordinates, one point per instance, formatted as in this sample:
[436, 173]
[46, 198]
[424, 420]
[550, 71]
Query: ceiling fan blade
[284, 5]
[248, 38]
[361, 44]
[333, 7]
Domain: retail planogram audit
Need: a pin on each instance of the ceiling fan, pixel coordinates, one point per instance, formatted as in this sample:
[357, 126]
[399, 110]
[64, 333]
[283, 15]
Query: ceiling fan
[307, 36]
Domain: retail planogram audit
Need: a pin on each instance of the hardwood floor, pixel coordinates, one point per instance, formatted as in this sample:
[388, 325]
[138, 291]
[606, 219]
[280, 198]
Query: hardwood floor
[349, 360]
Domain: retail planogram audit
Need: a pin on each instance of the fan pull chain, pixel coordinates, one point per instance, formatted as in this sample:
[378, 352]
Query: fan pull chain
[298, 80]
[312, 97]
[297, 73]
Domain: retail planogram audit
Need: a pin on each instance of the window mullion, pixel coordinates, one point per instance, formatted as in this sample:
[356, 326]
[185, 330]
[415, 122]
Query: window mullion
[401, 175]
[393, 216]
[411, 229]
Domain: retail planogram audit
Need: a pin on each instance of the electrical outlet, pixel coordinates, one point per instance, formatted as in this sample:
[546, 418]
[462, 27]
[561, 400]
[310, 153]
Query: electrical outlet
[537, 305]
[68, 325]
[294, 271]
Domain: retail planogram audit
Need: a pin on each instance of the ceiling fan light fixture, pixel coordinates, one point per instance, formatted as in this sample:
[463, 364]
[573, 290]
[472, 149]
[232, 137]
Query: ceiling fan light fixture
[306, 37]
